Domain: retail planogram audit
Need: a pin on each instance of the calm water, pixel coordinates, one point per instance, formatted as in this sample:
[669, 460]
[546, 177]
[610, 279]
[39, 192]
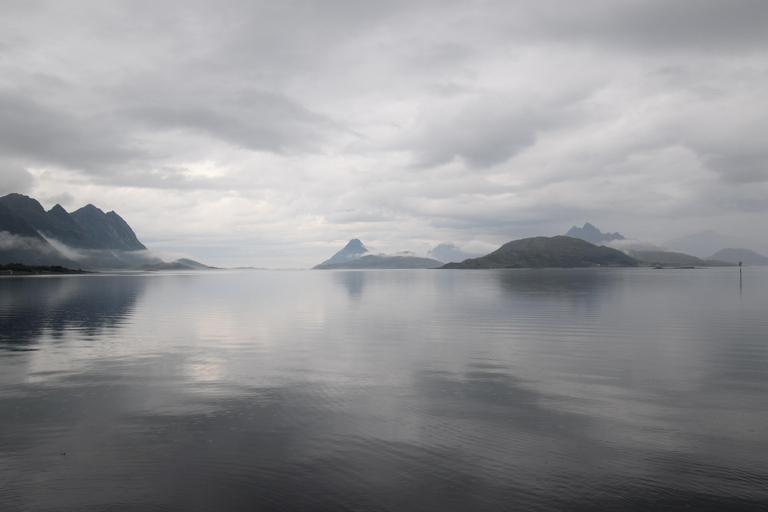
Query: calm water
[385, 390]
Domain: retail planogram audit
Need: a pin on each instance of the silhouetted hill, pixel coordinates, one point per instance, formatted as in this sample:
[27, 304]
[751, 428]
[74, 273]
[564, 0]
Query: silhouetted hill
[382, 262]
[352, 251]
[674, 259]
[542, 252]
[591, 234]
[746, 256]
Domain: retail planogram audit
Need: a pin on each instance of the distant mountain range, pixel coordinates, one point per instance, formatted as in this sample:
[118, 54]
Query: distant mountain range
[561, 251]
[702, 244]
[90, 239]
[86, 238]
[382, 261]
[356, 256]
[674, 259]
[352, 251]
[746, 256]
[691, 250]
[543, 252]
[593, 235]
[449, 252]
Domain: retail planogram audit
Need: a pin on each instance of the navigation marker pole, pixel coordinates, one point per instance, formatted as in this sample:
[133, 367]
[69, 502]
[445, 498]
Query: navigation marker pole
[739, 276]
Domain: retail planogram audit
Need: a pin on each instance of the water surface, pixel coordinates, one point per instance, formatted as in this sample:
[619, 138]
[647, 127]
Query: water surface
[594, 389]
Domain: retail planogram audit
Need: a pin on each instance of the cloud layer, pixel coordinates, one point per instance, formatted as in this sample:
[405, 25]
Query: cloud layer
[255, 133]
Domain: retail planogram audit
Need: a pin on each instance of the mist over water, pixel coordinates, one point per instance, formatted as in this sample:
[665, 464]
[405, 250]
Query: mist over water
[584, 389]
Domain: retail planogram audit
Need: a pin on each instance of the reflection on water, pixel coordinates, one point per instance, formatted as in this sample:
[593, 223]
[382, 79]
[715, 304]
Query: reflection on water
[353, 281]
[373, 390]
[31, 306]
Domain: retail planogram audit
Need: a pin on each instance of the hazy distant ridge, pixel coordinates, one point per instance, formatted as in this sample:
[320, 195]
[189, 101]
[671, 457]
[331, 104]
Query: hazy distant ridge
[593, 235]
[356, 256]
[746, 256]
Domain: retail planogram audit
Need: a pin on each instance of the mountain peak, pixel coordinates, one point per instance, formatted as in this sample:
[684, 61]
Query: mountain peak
[355, 244]
[22, 203]
[109, 229]
[591, 234]
[90, 209]
[352, 251]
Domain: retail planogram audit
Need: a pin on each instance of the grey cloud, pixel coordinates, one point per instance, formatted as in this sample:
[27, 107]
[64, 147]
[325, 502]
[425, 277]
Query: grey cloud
[252, 120]
[169, 178]
[9, 241]
[419, 117]
[482, 133]
[697, 25]
[742, 167]
[14, 179]
[32, 131]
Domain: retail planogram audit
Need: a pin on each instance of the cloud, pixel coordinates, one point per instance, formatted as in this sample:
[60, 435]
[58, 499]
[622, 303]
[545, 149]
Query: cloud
[629, 25]
[15, 179]
[482, 134]
[11, 242]
[274, 125]
[251, 120]
[34, 132]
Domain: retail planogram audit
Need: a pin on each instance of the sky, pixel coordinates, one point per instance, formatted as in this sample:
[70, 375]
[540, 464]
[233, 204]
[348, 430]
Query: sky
[268, 134]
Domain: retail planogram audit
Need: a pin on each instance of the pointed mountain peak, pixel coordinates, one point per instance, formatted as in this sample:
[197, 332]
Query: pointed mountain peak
[352, 251]
[90, 209]
[592, 235]
[356, 245]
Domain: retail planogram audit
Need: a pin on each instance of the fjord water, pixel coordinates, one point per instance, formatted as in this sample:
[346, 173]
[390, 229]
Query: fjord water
[593, 389]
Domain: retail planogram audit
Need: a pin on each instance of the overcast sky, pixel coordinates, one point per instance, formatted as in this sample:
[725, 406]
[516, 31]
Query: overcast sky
[270, 133]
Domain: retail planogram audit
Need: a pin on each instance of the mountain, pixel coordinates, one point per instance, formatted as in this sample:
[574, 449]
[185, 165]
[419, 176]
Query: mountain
[352, 251]
[675, 259]
[193, 264]
[542, 252]
[21, 243]
[162, 265]
[702, 244]
[356, 255]
[746, 256]
[382, 261]
[56, 223]
[592, 235]
[87, 238]
[109, 229]
[449, 252]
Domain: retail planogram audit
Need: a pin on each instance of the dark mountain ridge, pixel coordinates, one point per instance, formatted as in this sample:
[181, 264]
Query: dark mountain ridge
[86, 238]
[543, 252]
[108, 229]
